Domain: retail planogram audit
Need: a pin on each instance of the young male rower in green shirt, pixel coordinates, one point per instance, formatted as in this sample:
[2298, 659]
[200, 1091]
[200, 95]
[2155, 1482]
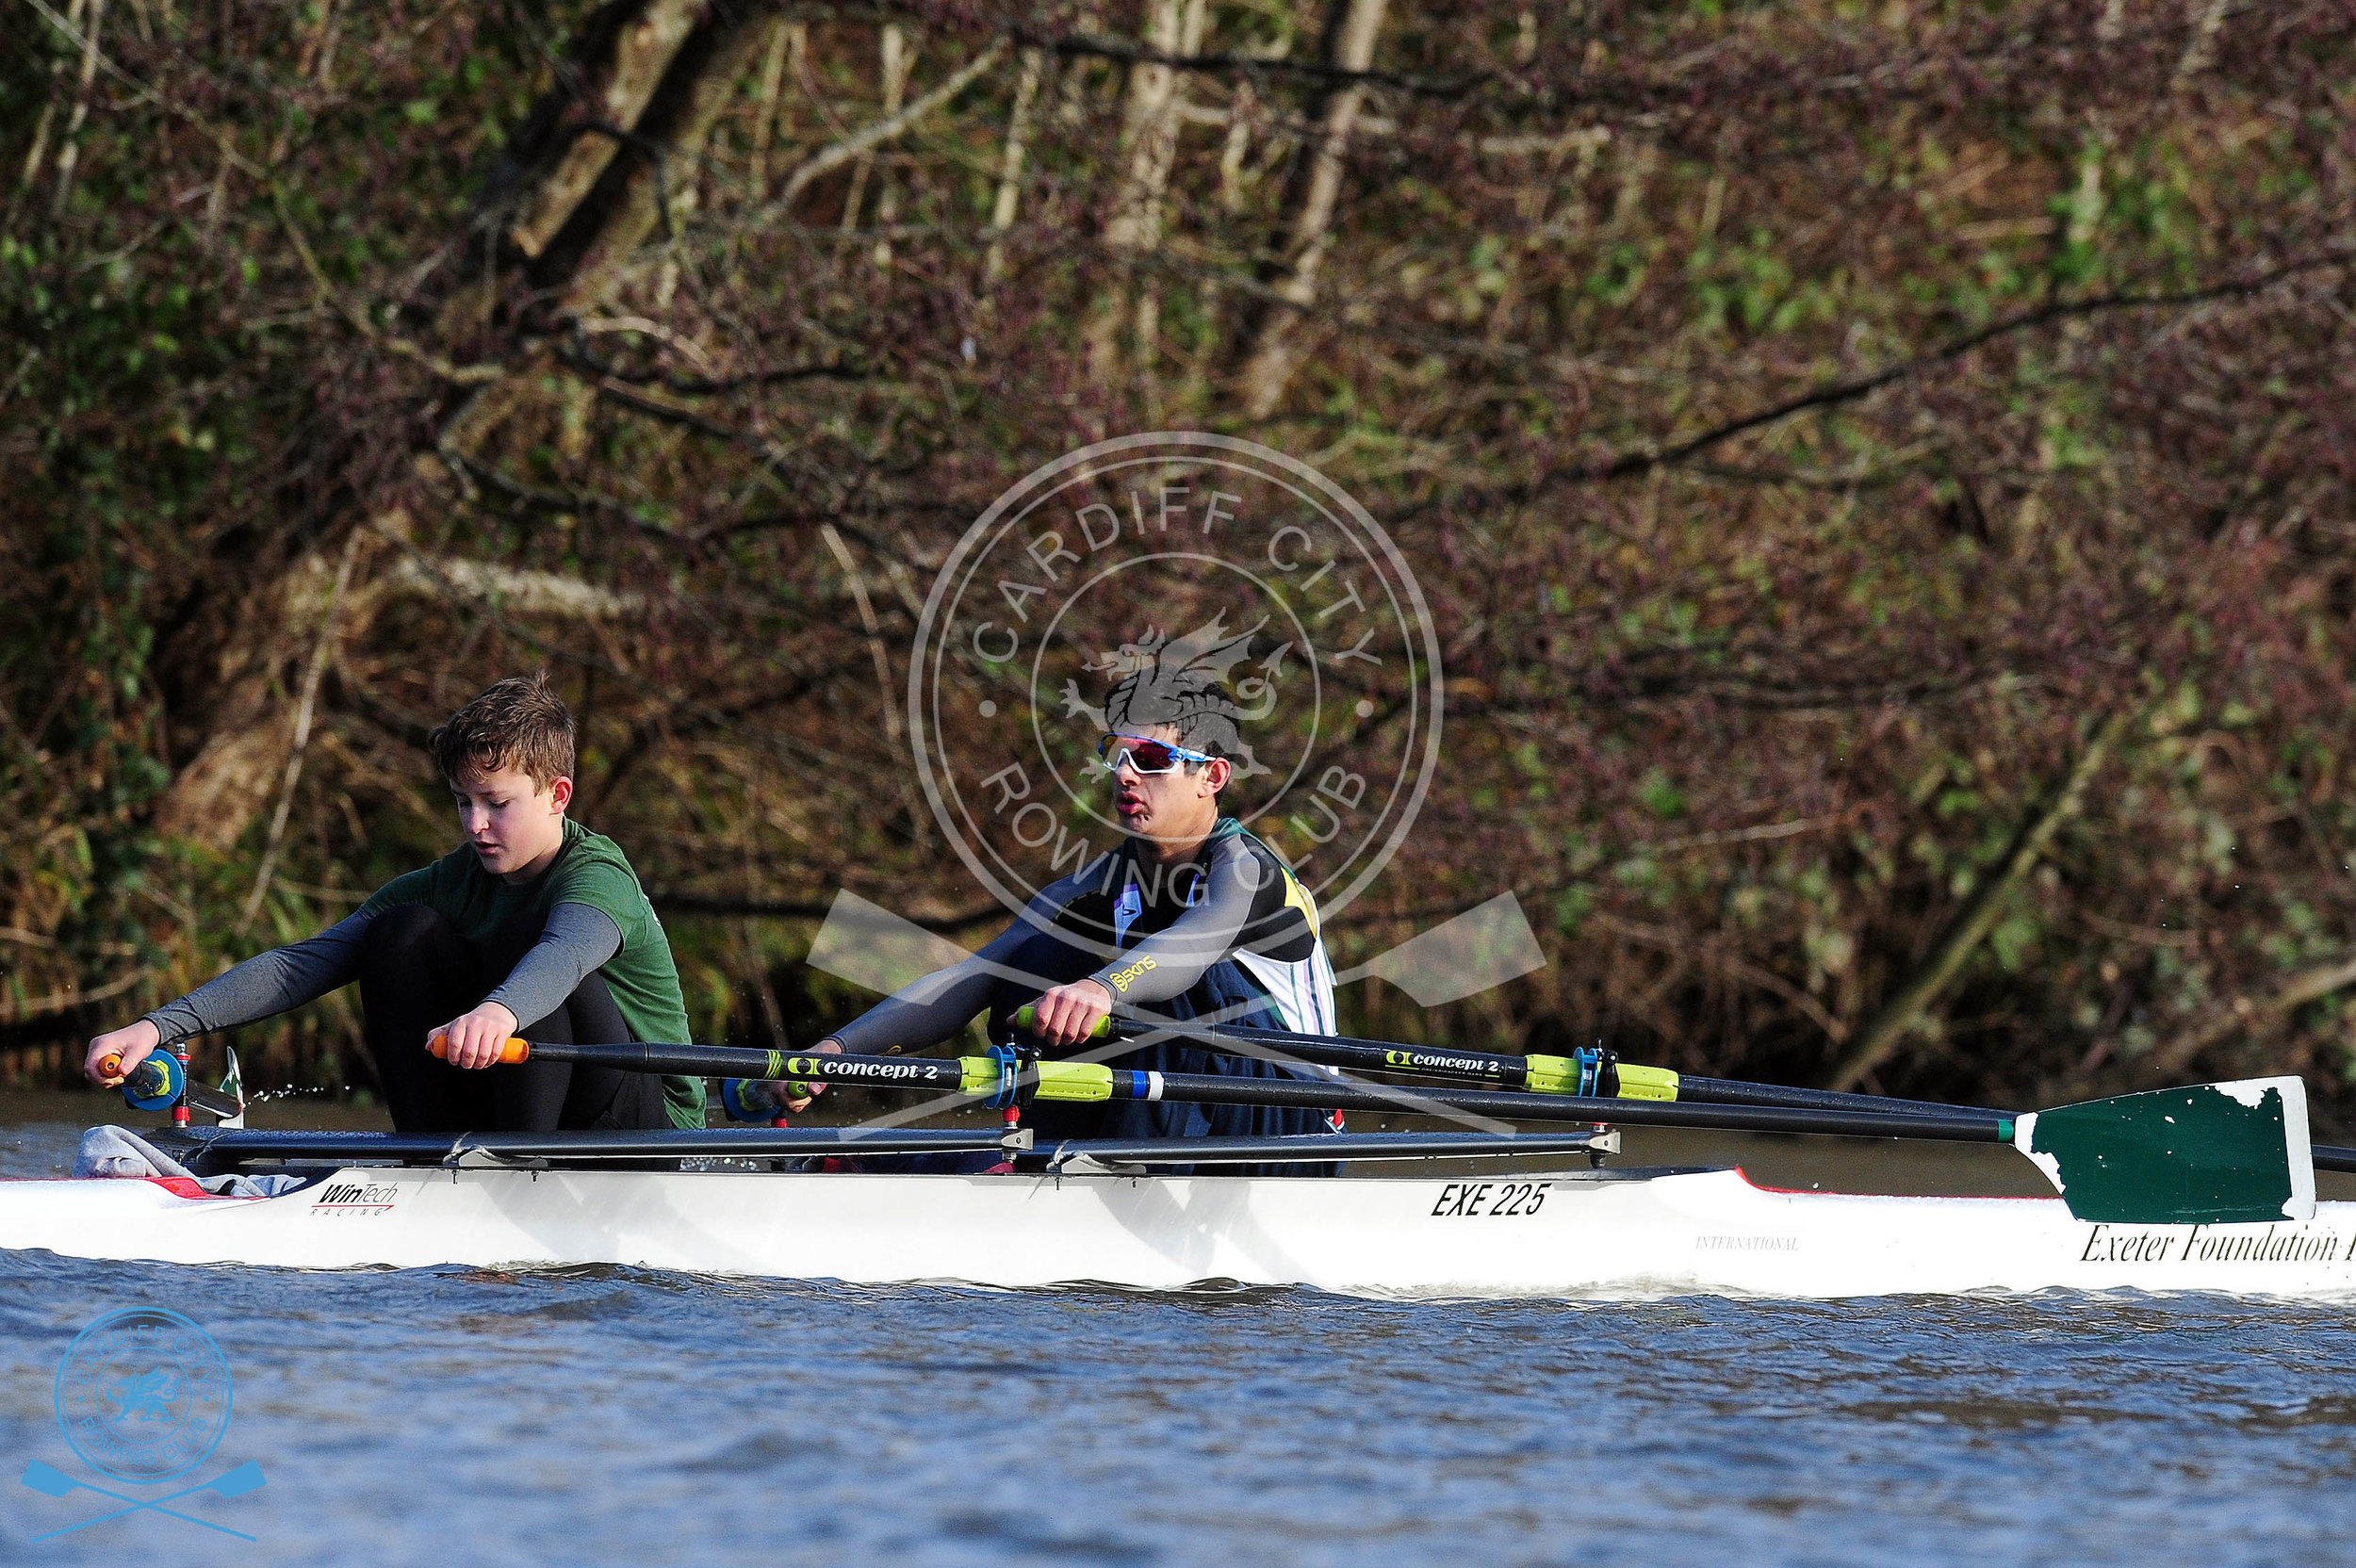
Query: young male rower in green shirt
[534, 926]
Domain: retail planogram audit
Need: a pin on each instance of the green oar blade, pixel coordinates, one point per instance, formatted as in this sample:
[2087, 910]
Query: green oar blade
[2210, 1154]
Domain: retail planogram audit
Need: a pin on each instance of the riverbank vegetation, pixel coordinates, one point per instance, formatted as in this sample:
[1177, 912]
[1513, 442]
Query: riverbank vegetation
[1881, 474]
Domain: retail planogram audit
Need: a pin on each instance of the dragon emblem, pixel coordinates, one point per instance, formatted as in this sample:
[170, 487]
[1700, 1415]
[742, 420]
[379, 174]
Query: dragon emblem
[1190, 682]
[146, 1397]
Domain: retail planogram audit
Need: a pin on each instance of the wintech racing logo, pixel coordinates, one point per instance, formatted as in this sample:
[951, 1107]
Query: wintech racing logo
[355, 1197]
[1187, 580]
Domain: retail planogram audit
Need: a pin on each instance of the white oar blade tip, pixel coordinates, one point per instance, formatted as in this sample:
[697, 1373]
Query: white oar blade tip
[2024, 1140]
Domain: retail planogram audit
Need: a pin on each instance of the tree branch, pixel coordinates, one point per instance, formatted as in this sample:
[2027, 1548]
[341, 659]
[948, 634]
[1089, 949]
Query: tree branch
[872, 137]
[2246, 1012]
[675, 903]
[1728, 964]
[1836, 393]
[1083, 45]
[1978, 916]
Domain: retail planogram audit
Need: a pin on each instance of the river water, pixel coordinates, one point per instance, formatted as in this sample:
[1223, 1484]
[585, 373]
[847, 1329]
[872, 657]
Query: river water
[621, 1416]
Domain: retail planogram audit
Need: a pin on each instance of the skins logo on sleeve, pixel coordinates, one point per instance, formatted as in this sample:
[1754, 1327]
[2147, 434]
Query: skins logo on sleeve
[1123, 978]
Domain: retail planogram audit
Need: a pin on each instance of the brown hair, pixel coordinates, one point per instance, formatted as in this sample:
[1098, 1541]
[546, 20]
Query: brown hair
[517, 723]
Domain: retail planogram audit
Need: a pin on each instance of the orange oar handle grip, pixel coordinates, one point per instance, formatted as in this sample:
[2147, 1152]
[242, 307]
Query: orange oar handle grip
[111, 1065]
[514, 1051]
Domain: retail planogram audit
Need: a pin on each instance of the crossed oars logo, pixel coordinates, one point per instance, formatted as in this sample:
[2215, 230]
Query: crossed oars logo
[56, 1484]
[143, 1397]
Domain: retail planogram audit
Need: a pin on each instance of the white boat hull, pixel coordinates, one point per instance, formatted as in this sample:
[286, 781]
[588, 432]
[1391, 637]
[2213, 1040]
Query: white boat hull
[1587, 1234]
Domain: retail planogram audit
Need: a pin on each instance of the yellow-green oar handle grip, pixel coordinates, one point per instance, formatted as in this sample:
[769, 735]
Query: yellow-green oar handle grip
[1646, 1083]
[1026, 1017]
[1086, 1082]
[1563, 1074]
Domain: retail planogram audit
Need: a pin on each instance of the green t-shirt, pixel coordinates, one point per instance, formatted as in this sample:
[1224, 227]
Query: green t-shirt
[591, 870]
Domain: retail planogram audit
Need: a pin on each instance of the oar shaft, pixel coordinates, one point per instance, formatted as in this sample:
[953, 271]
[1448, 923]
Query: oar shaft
[729, 1061]
[1727, 1091]
[1203, 1088]
[1093, 1083]
[1548, 1074]
[1512, 1072]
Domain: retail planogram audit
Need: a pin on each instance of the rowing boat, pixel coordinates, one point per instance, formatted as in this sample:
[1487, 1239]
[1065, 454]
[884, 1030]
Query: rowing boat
[1581, 1232]
[2205, 1188]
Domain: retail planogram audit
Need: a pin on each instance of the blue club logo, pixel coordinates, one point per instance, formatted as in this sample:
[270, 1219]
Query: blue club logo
[143, 1395]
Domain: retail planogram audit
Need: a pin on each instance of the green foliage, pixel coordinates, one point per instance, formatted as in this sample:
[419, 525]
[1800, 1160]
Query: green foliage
[1741, 726]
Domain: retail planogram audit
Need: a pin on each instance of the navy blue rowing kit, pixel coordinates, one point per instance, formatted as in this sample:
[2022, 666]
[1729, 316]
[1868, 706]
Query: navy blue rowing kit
[1227, 936]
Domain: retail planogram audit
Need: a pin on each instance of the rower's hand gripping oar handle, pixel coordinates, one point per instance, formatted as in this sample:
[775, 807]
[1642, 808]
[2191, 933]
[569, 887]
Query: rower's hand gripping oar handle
[154, 1084]
[514, 1051]
[1026, 1017]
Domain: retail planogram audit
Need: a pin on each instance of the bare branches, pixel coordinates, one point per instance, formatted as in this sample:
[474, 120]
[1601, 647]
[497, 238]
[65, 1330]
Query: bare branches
[304, 707]
[1795, 426]
[1351, 48]
[868, 137]
[1324, 72]
[1735, 968]
[673, 132]
[1010, 165]
[1834, 394]
[637, 50]
[2249, 1013]
[356, 316]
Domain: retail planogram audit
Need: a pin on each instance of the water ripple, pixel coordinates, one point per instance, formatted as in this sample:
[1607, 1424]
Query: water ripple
[631, 1416]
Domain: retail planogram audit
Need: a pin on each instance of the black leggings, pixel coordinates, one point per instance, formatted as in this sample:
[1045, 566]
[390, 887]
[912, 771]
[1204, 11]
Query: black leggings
[417, 972]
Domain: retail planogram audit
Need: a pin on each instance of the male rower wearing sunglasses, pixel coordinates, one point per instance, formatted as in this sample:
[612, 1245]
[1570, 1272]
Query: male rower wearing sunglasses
[1190, 917]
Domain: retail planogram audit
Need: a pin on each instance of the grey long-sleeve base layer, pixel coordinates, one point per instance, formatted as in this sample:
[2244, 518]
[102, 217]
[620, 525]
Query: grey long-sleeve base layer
[577, 939]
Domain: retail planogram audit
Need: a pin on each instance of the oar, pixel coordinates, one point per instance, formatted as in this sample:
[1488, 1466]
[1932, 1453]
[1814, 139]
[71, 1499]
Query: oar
[1092, 1081]
[231, 1483]
[1592, 1074]
[2211, 1154]
[230, 1149]
[731, 1061]
[1570, 1075]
